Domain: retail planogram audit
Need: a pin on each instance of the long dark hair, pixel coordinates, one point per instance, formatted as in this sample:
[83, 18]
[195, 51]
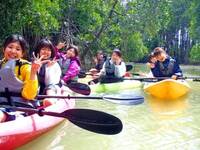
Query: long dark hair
[45, 43]
[17, 38]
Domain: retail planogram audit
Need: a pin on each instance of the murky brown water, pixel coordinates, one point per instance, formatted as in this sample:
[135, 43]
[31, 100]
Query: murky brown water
[153, 125]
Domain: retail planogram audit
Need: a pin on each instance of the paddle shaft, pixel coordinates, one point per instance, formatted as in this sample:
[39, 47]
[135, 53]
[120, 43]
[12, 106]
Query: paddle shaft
[90, 97]
[40, 112]
[161, 78]
[68, 97]
[123, 100]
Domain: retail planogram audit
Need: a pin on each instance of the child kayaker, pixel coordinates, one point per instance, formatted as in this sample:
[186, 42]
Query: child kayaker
[165, 66]
[14, 50]
[50, 73]
[69, 63]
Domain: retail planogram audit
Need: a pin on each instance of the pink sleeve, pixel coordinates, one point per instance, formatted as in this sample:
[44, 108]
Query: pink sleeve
[72, 71]
[58, 53]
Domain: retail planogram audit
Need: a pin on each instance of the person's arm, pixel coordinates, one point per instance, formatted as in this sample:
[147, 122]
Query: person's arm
[29, 77]
[120, 70]
[177, 70]
[72, 71]
[103, 70]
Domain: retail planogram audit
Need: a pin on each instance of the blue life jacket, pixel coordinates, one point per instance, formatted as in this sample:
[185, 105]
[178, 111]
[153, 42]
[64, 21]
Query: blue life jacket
[167, 70]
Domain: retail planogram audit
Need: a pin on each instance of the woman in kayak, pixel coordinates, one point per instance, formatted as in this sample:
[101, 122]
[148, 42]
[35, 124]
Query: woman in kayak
[165, 66]
[24, 74]
[69, 63]
[113, 69]
[50, 72]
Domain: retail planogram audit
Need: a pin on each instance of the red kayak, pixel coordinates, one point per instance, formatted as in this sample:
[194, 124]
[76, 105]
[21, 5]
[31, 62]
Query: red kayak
[18, 132]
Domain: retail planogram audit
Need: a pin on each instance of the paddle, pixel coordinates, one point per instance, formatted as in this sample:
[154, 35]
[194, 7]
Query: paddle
[80, 88]
[91, 120]
[194, 78]
[124, 99]
[83, 74]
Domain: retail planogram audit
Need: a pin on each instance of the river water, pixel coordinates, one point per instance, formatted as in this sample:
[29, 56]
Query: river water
[153, 125]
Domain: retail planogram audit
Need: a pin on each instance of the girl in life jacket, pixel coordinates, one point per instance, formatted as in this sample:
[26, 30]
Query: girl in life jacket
[113, 69]
[69, 63]
[50, 72]
[23, 74]
[165, 66]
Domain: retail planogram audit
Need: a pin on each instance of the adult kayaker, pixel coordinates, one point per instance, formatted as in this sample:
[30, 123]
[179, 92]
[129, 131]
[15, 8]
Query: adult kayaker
[99, 60]
[24, 73]
[113, 69]
[69, 63]
[50, 73]
[165, 66]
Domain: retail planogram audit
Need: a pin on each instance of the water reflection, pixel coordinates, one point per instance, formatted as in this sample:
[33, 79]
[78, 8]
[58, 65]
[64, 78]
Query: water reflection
[153, 125]
[167, 109]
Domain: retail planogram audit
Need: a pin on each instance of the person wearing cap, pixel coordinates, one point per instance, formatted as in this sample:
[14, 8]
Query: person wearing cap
[113, 69]
[165, 66]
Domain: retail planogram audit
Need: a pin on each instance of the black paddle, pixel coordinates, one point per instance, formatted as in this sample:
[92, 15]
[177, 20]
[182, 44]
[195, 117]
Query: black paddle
[91, 120]
[83, 74]
[79, 88]
[147, 79]
[123, 99]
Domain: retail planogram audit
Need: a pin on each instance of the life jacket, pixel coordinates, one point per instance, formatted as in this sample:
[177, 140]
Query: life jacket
[64, 65]
[11, 86]
[41, 78]
[167, 70]
[109, 68]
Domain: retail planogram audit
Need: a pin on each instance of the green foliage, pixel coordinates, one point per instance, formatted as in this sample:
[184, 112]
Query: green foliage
[134, 48]
[195, 53]
[195, 19]
[136, 27]
[43, 16]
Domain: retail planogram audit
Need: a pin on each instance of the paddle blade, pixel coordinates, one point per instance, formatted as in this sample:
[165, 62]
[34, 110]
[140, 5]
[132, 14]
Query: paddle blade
[124, 99]
[80, 88]
[95, 121]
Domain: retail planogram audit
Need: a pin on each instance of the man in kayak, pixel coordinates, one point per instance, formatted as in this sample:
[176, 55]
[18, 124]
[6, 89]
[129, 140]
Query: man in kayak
[165, 66]
[113, 69]
[24, 75]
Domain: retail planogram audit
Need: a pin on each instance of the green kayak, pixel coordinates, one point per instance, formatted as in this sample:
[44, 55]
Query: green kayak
[114, 87]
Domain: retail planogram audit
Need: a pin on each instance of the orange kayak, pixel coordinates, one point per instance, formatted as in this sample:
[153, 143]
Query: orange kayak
[18, 132]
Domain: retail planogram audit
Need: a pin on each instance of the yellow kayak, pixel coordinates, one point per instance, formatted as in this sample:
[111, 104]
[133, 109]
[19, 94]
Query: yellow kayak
[167, 89]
